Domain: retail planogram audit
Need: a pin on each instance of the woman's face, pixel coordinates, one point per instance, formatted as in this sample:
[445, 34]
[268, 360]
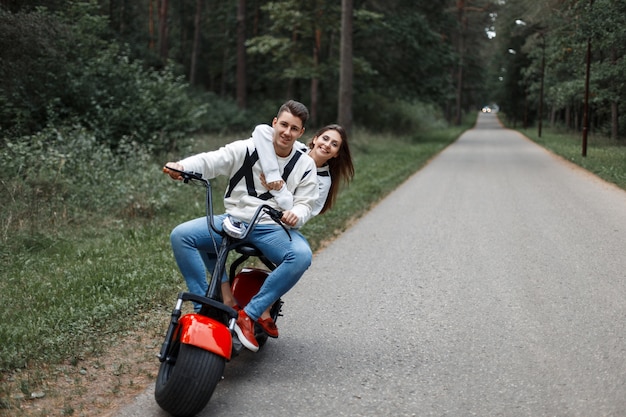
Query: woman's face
[325, 147]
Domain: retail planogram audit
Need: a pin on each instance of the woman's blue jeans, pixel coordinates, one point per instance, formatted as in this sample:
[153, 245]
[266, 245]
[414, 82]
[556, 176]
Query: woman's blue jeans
[195, 250]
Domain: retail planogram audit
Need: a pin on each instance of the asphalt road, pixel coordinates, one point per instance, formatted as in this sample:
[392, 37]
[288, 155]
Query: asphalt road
[491, 283]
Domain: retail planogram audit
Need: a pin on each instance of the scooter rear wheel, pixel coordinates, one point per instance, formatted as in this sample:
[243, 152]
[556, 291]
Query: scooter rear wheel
[185, 385]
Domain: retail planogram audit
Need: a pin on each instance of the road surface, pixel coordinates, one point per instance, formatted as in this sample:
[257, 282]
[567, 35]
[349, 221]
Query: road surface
[491, 283]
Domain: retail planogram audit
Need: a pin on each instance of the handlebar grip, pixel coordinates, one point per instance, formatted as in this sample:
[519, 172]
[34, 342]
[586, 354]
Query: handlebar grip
[186, 175]
[276, 215]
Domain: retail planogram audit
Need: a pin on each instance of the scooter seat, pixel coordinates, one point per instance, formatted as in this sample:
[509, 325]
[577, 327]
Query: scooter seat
[248, 250]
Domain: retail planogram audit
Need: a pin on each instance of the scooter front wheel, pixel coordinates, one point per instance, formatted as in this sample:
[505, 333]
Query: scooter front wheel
[185, 384]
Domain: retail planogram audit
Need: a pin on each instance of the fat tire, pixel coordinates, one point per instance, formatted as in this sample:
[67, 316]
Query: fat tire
[184, 387]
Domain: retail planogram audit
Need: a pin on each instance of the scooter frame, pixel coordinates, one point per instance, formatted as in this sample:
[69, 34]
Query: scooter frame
[211, 329]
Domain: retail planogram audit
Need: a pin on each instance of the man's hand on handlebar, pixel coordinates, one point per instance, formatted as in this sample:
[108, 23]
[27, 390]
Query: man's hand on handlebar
[289, 218]
[173, 174]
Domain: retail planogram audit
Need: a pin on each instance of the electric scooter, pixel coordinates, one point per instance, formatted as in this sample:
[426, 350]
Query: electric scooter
[197, 345]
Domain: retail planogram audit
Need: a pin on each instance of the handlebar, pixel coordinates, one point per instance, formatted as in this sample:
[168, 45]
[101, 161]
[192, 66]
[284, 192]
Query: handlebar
[187, 175]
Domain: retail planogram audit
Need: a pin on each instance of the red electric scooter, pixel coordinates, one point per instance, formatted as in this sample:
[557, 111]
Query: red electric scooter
[198, 345]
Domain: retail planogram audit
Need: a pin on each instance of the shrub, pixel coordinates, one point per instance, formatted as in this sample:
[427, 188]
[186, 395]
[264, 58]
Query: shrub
[32, 67]
[59, 176]
[62, 70]
[396, 116]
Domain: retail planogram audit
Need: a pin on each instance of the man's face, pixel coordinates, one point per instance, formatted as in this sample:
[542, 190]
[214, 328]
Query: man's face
[287, 129]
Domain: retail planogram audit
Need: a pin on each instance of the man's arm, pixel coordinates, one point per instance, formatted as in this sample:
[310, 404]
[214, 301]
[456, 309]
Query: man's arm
[215, 163]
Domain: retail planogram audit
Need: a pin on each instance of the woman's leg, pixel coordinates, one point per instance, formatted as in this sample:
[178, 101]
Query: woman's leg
[292, 257]
[228, 297]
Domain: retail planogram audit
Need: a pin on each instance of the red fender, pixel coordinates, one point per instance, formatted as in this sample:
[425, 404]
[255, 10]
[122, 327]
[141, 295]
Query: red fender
[206, 333]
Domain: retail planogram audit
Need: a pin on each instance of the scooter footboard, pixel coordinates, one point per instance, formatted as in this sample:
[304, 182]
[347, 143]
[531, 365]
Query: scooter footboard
[206, 333]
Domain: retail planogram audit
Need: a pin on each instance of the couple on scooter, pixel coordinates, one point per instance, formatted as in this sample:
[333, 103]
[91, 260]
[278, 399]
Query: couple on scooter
[301, 184]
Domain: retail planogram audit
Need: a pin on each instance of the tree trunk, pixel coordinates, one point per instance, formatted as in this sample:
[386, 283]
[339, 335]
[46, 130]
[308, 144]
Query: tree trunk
[225, 58]
[291, 84]
[163, 31]
[460, 5]
[122, 27]
[543, 72]
[346, 67]
[614, 120]
[525, 121]
[112, 15]
[614, 105]
[241, 54]
[151, 25]
[196, 43]
[315, 79]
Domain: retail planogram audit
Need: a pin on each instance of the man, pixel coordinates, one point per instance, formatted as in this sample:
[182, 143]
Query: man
[193, 245]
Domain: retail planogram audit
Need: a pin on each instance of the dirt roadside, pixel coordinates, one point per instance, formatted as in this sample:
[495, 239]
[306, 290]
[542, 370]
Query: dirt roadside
[96, 386]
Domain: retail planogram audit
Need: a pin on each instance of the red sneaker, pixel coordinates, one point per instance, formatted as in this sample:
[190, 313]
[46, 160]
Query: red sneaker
[268, 326]
[245, 331]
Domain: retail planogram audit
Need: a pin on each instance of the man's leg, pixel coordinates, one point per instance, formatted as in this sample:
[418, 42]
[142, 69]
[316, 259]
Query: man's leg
[195, 250]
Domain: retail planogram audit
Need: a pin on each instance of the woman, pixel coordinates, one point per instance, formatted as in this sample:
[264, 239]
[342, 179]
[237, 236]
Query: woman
[330, 150]
[331, 153]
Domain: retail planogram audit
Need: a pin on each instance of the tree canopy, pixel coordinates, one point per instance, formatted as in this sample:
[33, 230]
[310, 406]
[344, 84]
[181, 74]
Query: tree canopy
[154, 71]
[123, 67]
[558, 33]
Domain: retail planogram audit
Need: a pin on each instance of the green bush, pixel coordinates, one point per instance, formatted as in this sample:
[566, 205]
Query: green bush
[93, 82]
[32, 68]
[60, 176]
[117, 99]
[396, 116]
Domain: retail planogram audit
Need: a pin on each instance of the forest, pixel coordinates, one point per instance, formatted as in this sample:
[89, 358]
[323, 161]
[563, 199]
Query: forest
[89, 87]
[130, 69]
[158, 70]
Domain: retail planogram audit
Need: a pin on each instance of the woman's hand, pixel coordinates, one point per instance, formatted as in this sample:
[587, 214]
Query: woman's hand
[274, 185]
[173, 174]
[289, 218]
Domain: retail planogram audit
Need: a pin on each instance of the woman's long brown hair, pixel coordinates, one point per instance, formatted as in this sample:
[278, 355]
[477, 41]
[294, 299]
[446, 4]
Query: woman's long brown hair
[341, 167]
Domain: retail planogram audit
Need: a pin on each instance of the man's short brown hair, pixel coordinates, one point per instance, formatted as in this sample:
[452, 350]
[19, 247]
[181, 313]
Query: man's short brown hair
[297, 109]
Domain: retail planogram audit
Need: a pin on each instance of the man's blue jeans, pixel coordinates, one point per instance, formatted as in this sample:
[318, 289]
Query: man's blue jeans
[195, 250]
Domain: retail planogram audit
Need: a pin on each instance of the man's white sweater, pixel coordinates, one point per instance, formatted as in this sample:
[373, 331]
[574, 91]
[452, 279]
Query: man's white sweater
[244, 193]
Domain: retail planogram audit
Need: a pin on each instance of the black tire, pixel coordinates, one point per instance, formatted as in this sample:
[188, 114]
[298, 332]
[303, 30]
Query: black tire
[184, 386]
[260, 335]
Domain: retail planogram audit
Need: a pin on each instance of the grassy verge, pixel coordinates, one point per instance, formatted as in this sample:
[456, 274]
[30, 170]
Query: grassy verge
[605, 157]
[70, 297]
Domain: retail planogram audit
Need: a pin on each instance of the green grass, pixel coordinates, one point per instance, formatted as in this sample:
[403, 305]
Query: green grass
[66, 293]
[605, 157]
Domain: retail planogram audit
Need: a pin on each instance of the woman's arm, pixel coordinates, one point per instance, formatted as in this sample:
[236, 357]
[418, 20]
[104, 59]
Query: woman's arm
[262, 137]
[323, 182]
